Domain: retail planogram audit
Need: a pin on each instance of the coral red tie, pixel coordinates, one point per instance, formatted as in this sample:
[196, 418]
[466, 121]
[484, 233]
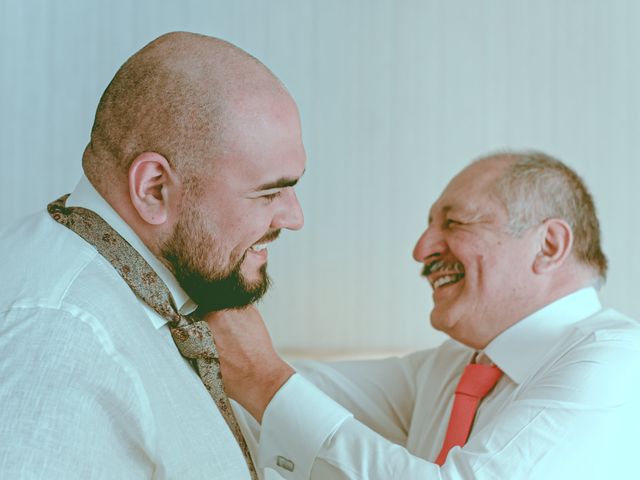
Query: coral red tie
[476, 382]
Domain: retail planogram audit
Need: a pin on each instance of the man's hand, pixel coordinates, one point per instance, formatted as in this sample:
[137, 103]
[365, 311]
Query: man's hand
[252, 370]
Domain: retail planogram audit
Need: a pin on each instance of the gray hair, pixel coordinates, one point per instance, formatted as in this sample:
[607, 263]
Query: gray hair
[535, 187]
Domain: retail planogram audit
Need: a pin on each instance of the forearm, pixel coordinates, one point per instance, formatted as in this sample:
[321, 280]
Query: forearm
[306, 435]
[531, 440]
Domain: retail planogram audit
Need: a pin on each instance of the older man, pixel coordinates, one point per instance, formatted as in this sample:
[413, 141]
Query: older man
[189, 172]
[537, 381]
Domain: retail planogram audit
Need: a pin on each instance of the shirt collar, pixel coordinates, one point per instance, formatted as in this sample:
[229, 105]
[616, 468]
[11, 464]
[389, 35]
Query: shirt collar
[86, 196]
[520, 348]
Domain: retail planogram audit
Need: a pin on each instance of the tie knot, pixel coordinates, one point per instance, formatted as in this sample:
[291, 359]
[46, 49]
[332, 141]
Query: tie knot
[195, 340]
[478, 380]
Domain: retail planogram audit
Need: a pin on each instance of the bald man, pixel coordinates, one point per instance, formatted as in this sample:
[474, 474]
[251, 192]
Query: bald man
[538, 381]
[189, 172]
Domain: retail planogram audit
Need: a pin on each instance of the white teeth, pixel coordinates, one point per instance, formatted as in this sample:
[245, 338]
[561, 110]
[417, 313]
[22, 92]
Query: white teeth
[445, 279]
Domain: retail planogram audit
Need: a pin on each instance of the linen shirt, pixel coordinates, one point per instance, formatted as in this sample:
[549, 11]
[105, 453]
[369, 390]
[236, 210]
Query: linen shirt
[567, 407]
[92, 385]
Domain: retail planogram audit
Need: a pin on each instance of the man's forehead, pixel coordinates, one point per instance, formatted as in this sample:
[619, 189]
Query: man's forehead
[258, 168]
[467, 192]
[267, 155]
[441, 208]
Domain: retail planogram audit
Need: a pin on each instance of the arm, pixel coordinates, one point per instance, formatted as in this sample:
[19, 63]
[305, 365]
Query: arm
[576, 419]
[379, 393]
[246, 353]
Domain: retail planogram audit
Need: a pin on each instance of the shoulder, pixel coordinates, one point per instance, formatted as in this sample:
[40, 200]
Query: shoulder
[61, 301]
[597, 365]
[46, 265]
[610, 325]
[608, 337]
[41, 259]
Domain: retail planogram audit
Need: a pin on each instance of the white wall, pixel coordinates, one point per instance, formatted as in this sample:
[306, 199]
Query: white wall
[395, 97]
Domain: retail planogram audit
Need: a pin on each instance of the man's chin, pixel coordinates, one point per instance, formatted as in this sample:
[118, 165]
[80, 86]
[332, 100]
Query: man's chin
[252, 285]
[441, 318]
[230, 292]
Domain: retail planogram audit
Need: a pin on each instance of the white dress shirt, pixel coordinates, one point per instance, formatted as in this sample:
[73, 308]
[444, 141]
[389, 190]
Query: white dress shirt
[567, 407]
[92, 385]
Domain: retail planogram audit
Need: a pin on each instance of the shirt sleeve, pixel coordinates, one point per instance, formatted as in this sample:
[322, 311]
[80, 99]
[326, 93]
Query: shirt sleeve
[380, 393]
[309, 416]
[302, 418]
[71, 408]
[577, 419]
[306, 435]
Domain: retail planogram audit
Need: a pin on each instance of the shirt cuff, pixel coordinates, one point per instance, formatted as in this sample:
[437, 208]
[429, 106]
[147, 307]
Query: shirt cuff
[295, 424]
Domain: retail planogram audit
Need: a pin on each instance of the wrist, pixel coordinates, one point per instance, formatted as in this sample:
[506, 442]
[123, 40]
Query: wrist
[265, 389]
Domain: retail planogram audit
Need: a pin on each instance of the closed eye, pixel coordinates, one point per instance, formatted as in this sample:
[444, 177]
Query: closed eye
[450, 222]
[270, 197]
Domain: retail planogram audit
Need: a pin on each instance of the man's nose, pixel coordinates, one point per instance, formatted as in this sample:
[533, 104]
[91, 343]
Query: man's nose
[430, 243]
[289, 215]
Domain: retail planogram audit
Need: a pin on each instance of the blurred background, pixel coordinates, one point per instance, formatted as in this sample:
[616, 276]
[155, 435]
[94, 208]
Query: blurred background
[395, 98]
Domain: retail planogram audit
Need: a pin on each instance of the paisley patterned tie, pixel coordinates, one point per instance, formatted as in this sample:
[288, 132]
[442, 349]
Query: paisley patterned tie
[191, 335]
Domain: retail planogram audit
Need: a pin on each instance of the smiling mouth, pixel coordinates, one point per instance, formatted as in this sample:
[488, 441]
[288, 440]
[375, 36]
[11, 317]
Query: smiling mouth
[447, 280]
[441, 273]
[258, 247]
[262, 243]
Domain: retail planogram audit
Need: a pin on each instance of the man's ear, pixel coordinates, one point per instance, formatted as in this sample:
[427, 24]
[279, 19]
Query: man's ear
[556, 242]
[152, 187]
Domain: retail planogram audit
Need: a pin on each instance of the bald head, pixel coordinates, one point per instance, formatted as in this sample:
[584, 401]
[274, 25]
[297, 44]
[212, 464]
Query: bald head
[176, 97]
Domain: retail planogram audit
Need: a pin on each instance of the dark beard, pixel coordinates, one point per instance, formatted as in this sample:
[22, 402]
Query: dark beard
[230, 291]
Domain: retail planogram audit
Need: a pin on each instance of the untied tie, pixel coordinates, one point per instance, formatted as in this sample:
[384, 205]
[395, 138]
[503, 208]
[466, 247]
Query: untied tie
[190, 334]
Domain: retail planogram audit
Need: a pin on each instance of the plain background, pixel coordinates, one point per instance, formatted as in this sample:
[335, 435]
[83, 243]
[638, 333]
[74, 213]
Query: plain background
[395, 98]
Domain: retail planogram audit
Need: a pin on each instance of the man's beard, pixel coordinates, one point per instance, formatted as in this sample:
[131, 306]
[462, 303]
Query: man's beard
[229, 291]
[187, 252]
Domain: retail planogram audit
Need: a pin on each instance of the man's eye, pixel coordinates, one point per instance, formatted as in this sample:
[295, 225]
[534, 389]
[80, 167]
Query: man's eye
[449, 222]
[272, 196]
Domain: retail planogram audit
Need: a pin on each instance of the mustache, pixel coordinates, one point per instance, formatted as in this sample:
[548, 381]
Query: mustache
[269, 237]
[440, 265]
